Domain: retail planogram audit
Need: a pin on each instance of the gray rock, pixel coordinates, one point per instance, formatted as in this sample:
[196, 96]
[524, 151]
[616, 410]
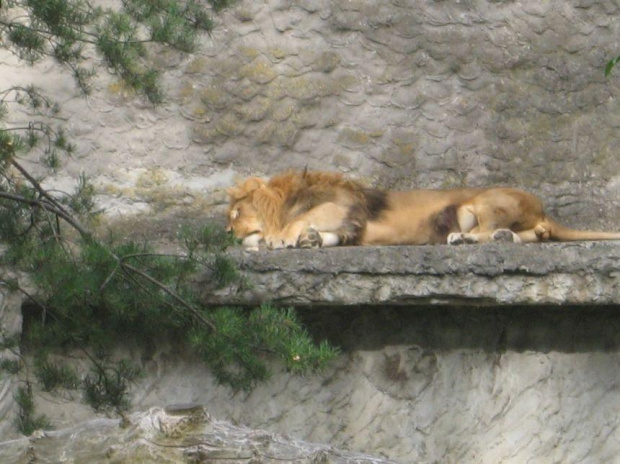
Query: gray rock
[490, 275]
[170, 435]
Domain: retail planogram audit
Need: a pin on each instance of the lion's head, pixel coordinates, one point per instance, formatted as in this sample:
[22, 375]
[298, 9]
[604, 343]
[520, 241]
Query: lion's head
[244, 219]
[259, 209]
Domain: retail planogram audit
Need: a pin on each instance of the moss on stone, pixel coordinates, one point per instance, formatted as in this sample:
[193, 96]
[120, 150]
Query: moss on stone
[197, 65]
[229, 125]
[249, 53]
[259, 71]
[244, 14]
[247, 90]
[351, 138]
[186, 91]
[214, 97]
[151, 178]
[276, 90]
[285, 134]
[199, 112]
[121, 90]
[301, 88]
[283, 110]
[347, 82]
[277, 54]
[326, 62]
[264, 132]
[204, 134]
[255, 110]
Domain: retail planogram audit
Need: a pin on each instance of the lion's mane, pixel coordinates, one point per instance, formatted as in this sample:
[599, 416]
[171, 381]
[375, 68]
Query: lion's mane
[286, 196]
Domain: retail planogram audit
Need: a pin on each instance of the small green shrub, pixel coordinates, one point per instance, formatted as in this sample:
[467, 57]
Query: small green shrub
[26, 422]
[53, 376]
[11, 366]
[107, 386]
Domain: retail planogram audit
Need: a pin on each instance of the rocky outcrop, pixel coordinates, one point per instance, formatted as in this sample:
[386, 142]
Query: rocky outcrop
[182, 433]
[584, 273]
[416, 381]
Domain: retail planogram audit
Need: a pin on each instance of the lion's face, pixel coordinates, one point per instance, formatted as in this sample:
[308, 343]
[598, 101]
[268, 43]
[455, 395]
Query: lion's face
[244, 222]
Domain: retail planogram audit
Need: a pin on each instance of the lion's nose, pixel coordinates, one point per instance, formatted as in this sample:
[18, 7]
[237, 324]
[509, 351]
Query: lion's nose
[229, 228]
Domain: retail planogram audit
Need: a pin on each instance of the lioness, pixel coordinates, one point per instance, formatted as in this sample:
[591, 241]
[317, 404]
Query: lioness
[314, 209]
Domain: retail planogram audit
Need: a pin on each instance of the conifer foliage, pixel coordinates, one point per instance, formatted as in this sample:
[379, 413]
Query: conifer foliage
[91, 292]
[69, 30]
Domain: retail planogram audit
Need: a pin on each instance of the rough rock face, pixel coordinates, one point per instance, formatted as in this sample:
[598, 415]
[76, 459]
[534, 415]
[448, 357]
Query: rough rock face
[461, 384]
[176, 434]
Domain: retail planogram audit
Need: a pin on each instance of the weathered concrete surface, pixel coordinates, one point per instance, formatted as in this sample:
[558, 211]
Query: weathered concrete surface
[490, 274]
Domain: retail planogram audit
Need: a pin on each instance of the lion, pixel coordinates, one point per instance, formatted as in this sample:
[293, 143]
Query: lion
[305, 209]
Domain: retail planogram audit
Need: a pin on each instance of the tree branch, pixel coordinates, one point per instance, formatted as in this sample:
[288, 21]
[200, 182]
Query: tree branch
[48, 207]
[171, 293]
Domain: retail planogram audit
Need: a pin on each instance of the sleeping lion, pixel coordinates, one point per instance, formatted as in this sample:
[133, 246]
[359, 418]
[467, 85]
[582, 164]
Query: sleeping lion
[318, 209]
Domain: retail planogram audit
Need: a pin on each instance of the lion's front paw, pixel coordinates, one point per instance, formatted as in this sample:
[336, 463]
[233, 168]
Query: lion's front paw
[253, 241]
[277, 242]
[460, 238]
[274, 243]
[310, 238]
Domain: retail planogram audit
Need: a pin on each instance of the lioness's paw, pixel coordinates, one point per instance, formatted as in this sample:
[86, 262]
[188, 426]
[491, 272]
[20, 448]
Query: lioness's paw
[505, 235]
[459, 238]
[310, 238]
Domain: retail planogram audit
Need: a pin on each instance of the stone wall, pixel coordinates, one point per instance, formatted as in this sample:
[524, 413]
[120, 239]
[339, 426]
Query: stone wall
[402, 93]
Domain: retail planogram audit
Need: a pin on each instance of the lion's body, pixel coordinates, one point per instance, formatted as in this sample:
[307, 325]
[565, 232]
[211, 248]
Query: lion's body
[319, 208]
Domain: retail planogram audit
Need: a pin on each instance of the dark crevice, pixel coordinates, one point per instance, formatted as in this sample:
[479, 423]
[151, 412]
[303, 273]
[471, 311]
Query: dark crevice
[568, 329]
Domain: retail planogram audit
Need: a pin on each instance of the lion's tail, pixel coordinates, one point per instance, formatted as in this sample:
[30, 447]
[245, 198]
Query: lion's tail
[561, 233]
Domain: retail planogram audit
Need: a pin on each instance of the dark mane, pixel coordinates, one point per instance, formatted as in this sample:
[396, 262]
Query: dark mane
[376, 202]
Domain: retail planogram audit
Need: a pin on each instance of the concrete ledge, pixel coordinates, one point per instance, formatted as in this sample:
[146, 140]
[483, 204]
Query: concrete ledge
[491, 274]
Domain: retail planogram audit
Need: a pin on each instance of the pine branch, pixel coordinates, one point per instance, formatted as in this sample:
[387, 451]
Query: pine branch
[65, 214]
[28, 295]
[171, 293]
[48, 207]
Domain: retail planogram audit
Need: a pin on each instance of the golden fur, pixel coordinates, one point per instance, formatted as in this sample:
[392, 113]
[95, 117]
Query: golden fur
[309, 209]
